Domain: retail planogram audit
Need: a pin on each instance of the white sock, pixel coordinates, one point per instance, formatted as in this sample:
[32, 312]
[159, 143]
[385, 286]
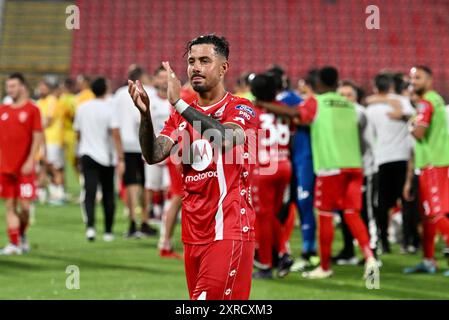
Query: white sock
[42, 195]
[52, 189]
[60, 192]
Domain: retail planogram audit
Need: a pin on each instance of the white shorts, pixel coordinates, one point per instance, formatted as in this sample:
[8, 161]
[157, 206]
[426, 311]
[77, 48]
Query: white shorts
[156, 177]
[55, 156]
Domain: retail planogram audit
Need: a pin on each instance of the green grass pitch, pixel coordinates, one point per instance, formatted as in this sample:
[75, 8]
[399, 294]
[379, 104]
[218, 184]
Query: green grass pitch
[131, 269]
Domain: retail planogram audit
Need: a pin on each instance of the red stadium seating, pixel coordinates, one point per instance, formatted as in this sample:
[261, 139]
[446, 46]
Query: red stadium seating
[296, 34]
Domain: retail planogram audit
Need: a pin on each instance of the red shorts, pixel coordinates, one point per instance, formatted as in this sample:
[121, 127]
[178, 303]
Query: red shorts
[268, 190]
[176, 188]
[220, 270]
[342, 191]
[434, 191]
[17, 187]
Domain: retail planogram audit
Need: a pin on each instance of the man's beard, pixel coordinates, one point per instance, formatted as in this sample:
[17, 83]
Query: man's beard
[201, 88]
[15, 98]
[420, 91]
[160, 88]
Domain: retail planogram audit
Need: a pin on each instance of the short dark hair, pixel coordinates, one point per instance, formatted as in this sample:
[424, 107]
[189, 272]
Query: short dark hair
[159, 69]
[263, 86]
[328, 76]
[69, 83]
[221, 45]
[399, 83]
[278, 81]
[99, 86]
[277, 69]
[383, 82]
[136, 73]
[311, 78]
[424, 68]
[282, 79]
[19, 76]
[360, 94]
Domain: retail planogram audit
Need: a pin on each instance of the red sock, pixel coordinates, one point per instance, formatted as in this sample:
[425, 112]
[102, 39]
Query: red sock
[442, 225]
[157, 198]
[264, 234]
[289, 225]
[286, 232]
[14, 235]
[122, 191]
[326, 234]
[359, 231]
[428, 238]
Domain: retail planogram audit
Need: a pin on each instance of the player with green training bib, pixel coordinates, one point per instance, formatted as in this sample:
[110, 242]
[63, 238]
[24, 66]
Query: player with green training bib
[431, 162]
[337, 163]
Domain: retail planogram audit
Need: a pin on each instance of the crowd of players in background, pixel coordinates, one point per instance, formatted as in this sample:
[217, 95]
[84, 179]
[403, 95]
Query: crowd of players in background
[95, 131]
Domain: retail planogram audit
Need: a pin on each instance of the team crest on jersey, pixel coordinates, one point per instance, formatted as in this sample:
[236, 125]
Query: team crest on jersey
[23, 116]
[246, 109]
[202, 154]
[5, 117]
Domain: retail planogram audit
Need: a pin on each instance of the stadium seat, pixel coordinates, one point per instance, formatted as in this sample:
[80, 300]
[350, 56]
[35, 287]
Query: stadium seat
[301, 35]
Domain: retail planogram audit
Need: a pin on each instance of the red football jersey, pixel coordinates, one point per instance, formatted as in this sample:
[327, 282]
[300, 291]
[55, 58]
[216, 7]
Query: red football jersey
[274, 138]
[425, 111]
[16, 135]
[217, 198]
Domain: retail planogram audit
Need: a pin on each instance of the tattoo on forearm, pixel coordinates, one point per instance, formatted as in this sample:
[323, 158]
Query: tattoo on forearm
[154, 149]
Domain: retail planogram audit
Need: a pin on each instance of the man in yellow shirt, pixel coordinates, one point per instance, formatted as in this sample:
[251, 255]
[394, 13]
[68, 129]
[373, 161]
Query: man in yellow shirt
[53, 124]
[84, 92]
[66, 102]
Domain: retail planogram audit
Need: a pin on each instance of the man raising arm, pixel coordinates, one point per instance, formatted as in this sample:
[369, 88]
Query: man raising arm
[218, 218]
[154, 149]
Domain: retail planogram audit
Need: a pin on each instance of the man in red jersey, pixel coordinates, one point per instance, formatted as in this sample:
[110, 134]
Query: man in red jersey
[270, 181]
[213, 135]
[20, 137]
[337, 164]
[431, 161]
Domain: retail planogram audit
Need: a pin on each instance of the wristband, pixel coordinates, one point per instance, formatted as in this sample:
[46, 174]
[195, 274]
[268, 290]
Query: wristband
[181, 106]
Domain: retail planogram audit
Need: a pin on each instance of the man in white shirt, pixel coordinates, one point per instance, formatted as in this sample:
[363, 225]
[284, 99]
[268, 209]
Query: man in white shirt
[98, 133]
[134, 176]
[392, 148]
